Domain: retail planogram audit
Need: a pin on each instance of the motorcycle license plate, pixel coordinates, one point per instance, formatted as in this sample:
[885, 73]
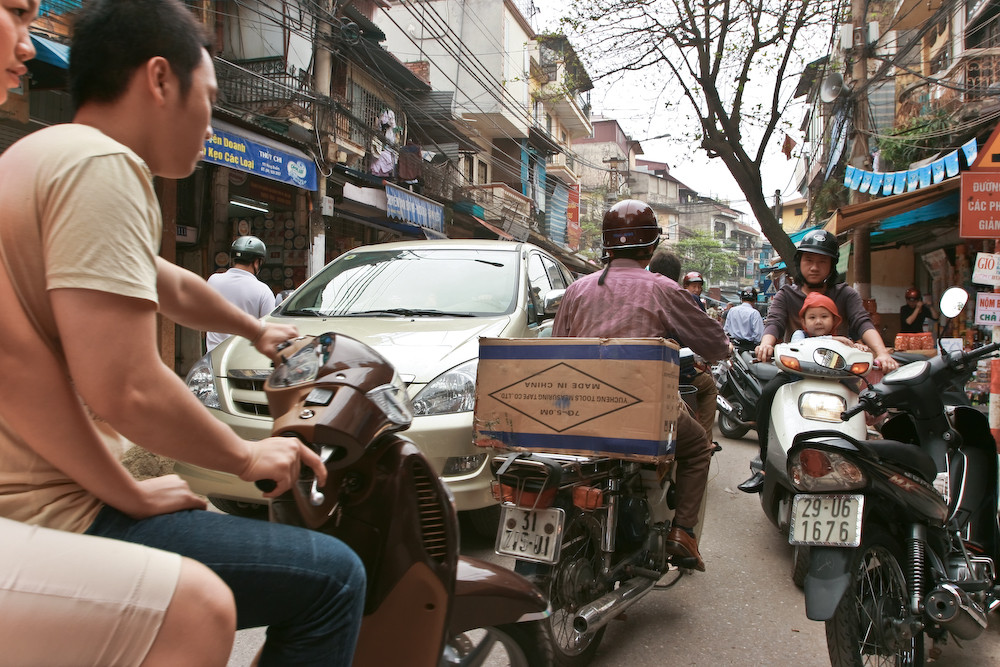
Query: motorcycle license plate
[826, 520]
[528, 534]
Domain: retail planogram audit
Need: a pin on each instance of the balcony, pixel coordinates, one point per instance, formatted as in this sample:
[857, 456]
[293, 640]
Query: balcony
[264, 86]
[502, 206]
[977, 72]
[562, 166]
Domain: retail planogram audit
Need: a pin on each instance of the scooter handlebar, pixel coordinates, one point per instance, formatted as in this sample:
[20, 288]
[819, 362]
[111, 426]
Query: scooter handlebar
[266, 485]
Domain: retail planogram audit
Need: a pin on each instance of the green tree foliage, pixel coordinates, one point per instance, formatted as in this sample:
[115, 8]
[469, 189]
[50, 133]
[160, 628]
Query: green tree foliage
[706, 254]
[727, 68]
[918, 138]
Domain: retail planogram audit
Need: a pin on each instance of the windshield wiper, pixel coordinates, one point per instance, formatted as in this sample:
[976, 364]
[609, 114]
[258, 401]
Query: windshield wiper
[302, 312]
[405, 312]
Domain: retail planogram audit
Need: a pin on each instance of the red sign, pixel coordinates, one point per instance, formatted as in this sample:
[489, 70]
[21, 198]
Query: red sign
[979, 206]
[573, 218]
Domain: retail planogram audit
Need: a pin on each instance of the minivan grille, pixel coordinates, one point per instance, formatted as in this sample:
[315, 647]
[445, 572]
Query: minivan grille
[246, 389]
[432, 517]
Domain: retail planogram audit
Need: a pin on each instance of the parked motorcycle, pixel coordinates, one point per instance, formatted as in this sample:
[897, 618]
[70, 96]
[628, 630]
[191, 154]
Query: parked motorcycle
[903, 532]
[425, 604]
[591, 532]
[740, 380]
[827, 376]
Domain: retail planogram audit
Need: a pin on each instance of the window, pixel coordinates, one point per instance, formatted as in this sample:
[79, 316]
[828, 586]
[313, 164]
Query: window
[798, 211]
[483, 171]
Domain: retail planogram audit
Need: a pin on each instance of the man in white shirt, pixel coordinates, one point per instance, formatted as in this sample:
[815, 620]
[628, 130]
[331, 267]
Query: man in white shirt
[744, 321]
[240, 286]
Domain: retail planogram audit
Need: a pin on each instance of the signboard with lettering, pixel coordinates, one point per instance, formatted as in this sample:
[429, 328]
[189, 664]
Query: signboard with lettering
[988, 308]
[979, 208]
[236, 152]
[987, 269]
[410, 207]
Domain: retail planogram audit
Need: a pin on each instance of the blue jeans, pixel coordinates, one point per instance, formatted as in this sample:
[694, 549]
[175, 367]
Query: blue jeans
[308, 588]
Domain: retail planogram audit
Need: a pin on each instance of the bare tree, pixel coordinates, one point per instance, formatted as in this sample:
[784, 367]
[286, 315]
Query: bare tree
[732, 63]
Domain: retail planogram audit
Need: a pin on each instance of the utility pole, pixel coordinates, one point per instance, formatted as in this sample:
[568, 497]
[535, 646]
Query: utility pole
[859, 147]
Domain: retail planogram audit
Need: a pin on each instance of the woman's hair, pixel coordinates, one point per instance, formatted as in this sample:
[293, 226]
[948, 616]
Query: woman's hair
[113, 38]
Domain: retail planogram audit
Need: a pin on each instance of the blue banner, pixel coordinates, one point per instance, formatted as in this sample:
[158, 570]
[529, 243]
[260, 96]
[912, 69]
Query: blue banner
[866, 181]
[937, 170]
[876, 182]
[900, 183]
[404, 205]
[236, 152]
[849, 175]
[970, 149]
[951, 163]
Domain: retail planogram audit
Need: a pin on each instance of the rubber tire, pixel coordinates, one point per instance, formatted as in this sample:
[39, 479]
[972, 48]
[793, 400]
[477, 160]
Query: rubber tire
[240, 508]
[543, 576]
[731, 429]
[800, 564]
[531, 638]
[485, 521]
[843, 629]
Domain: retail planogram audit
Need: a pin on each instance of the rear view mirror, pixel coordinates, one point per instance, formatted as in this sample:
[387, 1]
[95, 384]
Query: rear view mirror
[829, 359]
[953, 301]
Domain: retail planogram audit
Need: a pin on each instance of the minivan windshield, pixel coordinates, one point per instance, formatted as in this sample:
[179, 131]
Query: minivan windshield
[422, 283]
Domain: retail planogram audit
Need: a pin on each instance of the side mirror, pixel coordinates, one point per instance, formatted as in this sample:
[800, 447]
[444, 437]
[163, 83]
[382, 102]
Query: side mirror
[953, 301]
[550, 304]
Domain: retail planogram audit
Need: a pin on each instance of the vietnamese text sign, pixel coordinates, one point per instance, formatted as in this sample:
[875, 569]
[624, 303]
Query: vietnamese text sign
[238, 152]
[987, 269]
[411, 207]
[979, 210]
[988, 308]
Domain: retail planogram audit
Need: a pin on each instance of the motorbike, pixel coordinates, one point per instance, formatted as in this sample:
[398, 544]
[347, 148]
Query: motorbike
[903, 531]
[826, 373]
[425, 604]
[740, 380]
[590, 531]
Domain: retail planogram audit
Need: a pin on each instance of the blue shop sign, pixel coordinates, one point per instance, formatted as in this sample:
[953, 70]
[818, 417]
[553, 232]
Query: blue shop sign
[237, 152]
[404, 205]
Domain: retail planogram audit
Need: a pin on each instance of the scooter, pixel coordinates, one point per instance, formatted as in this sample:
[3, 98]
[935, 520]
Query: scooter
[827, 373]
[740, 380]
[903, 532]
[425, 604]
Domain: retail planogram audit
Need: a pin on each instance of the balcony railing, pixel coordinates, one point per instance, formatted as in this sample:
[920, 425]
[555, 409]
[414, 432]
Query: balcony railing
[503, 206]
[561, 160]
[264, 86]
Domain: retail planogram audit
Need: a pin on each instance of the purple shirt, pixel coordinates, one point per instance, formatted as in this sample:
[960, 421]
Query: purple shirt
[635, 303]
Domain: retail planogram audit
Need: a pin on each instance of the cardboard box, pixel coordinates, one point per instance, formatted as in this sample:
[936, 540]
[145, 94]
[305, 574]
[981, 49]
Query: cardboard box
[611, 396]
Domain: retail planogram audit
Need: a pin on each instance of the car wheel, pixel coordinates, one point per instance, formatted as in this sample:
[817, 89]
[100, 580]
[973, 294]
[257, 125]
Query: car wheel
[485, 521]
[239, 508]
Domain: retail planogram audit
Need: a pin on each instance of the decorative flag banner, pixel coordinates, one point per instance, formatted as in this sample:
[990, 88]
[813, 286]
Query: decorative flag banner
[900, 183]
[876, 183]
[951, 164]
[889, 183]
[866, 181]
[937, 170]
[925, 176]
[912, 179]
[855, 179]
[849, 175]
[970, 149]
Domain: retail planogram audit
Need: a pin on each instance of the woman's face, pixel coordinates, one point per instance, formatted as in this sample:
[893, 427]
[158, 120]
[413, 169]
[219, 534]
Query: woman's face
[15, 43]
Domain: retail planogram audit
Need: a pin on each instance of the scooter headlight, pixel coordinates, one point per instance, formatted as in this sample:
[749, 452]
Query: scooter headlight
[300, 368]
[817, 470]
[821, 406]
[393, 401]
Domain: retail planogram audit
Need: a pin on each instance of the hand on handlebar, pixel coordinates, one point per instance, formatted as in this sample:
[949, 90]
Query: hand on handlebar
[272, 336]
[280, 460]
[764, 352]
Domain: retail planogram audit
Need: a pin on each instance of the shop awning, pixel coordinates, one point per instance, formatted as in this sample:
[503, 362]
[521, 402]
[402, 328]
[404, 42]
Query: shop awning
[52, 53]
[884, 208]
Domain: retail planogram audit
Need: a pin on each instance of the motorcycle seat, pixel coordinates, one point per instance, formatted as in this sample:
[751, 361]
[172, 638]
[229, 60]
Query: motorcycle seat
[904, 455]
[763, 371]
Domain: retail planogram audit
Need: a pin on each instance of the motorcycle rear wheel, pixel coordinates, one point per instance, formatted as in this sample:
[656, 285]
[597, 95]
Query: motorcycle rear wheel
[869, 626]
[730, 428]
[512, 645]
[570, 584]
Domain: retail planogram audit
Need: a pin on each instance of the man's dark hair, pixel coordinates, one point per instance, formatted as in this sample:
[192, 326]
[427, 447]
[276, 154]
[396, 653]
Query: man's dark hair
[665, 262]
[113, 38]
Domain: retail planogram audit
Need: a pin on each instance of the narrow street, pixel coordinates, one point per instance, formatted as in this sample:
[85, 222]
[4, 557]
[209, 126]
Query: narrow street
[743, 611]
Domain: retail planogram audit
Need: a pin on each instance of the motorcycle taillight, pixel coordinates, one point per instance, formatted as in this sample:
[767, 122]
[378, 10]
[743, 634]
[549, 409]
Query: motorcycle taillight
[815, 462]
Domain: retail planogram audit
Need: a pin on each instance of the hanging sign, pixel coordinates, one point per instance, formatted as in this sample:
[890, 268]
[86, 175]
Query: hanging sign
[979, 206]
[987, 269]
[987, 308]
[238, 152]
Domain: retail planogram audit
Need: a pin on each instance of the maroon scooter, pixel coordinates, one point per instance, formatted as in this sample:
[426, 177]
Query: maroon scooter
[425, 604]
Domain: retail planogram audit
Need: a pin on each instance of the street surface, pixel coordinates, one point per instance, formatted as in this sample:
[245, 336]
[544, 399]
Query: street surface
[743, 611]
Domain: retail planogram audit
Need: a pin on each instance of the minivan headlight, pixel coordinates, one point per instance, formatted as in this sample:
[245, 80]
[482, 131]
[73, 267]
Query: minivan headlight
[201, 381]
[452, 391]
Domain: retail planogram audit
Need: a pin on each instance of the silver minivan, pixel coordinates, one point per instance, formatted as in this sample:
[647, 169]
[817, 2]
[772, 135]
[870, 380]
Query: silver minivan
[423, 305]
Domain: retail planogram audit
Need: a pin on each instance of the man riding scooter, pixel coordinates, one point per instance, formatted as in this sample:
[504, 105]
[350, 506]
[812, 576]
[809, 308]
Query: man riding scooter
[814, 269]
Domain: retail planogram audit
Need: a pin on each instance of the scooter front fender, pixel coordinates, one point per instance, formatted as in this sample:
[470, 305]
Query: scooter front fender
[828, 579]
[489, 595]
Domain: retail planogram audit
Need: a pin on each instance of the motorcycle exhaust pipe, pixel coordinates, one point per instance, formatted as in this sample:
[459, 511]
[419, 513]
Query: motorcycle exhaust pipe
[603, 610]
[950, 606]
[726, 408]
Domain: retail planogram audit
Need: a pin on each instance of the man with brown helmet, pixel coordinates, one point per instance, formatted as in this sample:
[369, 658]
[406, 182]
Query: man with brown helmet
[626, 301]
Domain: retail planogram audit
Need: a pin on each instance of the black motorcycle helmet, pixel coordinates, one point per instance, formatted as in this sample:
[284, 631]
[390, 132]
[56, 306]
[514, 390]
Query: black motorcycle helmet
[748, 294]
[820, 242]
[629, 225]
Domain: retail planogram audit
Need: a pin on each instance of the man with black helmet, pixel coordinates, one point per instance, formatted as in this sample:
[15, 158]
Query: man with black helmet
[240, 286]
[626, 301]
[743, 321]
[814, 269]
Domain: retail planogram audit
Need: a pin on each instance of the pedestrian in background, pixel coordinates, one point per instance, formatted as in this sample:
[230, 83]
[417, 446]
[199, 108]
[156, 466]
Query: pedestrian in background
[916, 310]
[240, 285]
[744, 321]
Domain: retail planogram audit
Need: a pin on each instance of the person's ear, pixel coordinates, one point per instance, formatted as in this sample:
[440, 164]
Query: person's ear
[159, 78]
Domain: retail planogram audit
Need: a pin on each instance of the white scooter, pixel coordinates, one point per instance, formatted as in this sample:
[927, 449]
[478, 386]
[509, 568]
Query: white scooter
[828, 381]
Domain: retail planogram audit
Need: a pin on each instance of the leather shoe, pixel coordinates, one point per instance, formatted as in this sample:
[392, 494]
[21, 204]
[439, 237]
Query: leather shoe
[753, 485]
[679, 543]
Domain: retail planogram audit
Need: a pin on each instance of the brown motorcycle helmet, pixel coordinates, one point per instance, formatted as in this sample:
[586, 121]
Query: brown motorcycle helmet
[629, 224]
[913, 293]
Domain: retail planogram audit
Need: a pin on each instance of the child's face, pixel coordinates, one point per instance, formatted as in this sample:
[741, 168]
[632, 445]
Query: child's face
[818, 321]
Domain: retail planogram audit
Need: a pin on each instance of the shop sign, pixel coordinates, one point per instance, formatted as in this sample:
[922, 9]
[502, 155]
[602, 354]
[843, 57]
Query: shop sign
[979, 209]
[987, 270]
[987, 309]
[405, 205]
[236, 152]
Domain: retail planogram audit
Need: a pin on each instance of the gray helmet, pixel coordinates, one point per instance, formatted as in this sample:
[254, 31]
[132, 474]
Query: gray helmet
[247, 249]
